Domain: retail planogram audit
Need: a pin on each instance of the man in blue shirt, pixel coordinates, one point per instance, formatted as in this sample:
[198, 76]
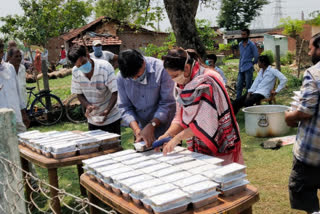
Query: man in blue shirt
[262, 86]
[146, 97]
[211, 62]
[248, 57]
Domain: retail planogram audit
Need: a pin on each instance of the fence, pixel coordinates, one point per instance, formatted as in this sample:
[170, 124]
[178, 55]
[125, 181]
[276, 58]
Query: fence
[38, 200]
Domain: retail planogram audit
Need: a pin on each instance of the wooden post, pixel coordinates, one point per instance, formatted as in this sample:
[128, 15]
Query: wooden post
[278, 57]
[9, 151]
[80, 172]
[53, 181]
[44, 69]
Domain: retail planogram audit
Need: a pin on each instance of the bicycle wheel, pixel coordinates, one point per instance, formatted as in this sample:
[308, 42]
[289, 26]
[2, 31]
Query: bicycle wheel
[47, 109]
[75, 112]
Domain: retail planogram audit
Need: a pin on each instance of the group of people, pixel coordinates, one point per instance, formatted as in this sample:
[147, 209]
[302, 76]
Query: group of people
[183, 98]
[159, 98]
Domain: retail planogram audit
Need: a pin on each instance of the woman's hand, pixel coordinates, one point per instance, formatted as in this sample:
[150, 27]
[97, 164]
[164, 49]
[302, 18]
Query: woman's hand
[169, 147]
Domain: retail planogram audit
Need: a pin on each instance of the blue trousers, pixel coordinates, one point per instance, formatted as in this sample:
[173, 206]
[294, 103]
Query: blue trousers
[244, 77]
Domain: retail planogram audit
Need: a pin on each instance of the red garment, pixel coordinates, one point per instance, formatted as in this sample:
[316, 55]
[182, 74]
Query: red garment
[207, 110]
[63, 54]
[37, 61]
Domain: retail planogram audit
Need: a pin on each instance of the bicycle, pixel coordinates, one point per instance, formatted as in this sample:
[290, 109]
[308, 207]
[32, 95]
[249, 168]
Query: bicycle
[46, 108]
[75, 112]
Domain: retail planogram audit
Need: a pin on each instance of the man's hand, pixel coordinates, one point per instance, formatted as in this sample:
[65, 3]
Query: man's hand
[169, 147]
[137, 134]
[290, 120]
[89, 109]
[147, 134]
[248, 95]
[273, 93]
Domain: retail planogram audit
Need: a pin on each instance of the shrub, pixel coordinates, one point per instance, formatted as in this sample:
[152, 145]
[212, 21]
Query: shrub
[224, 47]
[269, 54]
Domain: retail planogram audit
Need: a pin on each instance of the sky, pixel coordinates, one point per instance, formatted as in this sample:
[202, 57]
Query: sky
[292, 8]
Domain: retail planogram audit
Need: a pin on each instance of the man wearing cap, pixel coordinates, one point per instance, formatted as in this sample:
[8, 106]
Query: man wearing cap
[98, 53]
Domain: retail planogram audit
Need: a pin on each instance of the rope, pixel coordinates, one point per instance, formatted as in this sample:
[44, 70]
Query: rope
[39, 200]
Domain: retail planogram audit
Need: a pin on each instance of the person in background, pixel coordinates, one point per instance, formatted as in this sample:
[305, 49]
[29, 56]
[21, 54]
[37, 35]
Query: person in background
[63, 56]
[248, 57]
[304, 181]
[14, 58]
[262, 86]
[146, 97]
[94, 82]
[98, 53]
[13, 44]
[211, 62]
[9, 92]
[37, 61]
[204, 114]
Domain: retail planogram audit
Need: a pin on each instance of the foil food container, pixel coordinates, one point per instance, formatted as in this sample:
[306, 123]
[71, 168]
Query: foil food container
[176, 176]
[229, 172]
[197, 190]
[167, 171]
[190, 180]
[210, 160]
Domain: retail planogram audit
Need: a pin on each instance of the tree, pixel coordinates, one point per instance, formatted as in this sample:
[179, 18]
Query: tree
[138, 12]
[315, 15]
[182, 14]
[238, 14]
[43, 19]
[293, 28]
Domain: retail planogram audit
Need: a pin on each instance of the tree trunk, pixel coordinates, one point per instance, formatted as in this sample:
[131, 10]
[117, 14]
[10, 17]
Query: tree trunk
[182, 14]
[298, 46]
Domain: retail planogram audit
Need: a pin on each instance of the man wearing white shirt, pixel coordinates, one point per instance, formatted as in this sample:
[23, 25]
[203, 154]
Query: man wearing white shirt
[98, 53]
[262, 86]
[14, 58]
[9, 92]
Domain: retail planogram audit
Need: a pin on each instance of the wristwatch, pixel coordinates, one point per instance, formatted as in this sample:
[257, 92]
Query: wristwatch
[154, 124]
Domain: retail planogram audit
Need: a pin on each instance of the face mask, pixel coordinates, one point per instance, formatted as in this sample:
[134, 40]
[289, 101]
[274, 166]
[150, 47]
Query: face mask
[97, 51]
[181, 79]
[141, 78]
[86, 68]
[208, 62]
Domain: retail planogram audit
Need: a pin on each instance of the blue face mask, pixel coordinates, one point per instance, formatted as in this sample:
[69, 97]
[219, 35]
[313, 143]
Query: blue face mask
[86, 68]
[208, 62]
[141, 78]
[97, 51]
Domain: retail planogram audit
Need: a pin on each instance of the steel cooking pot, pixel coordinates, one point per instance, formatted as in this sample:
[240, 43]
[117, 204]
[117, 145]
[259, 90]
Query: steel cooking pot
[265, 120]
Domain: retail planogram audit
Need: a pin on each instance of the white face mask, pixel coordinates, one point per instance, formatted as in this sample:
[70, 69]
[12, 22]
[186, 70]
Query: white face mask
[181, 79]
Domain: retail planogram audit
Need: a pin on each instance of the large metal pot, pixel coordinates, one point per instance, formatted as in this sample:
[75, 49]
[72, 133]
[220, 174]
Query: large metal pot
[265, 120]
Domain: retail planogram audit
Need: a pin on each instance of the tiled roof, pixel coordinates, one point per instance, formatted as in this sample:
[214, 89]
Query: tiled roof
[104, 40]
[75, 32]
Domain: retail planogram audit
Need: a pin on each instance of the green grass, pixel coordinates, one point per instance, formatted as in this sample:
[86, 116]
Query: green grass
[268, 170]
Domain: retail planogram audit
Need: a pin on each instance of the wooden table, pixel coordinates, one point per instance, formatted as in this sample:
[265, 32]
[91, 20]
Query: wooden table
[240, 203]
[52, 165]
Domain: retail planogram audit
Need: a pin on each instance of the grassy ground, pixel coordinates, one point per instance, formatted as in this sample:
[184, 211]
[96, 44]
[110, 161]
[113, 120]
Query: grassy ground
[268, 170]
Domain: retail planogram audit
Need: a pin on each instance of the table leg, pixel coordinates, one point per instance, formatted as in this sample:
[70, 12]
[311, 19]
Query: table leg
[80, 172]
[247, 211]
[53, 181]
[25, 167]
[94, 200]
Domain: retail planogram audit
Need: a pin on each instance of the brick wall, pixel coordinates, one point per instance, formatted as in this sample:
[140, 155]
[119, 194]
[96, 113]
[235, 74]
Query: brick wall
[138, 40]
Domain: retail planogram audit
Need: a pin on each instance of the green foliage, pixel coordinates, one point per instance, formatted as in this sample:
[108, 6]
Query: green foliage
[225, 47]
[287, 59]
[269, 54]
[159, 51]
[293, 81]
[315, 15]
[238, 14]
[292, 27]
[206, 33]
[43, 19]
[138, 12]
